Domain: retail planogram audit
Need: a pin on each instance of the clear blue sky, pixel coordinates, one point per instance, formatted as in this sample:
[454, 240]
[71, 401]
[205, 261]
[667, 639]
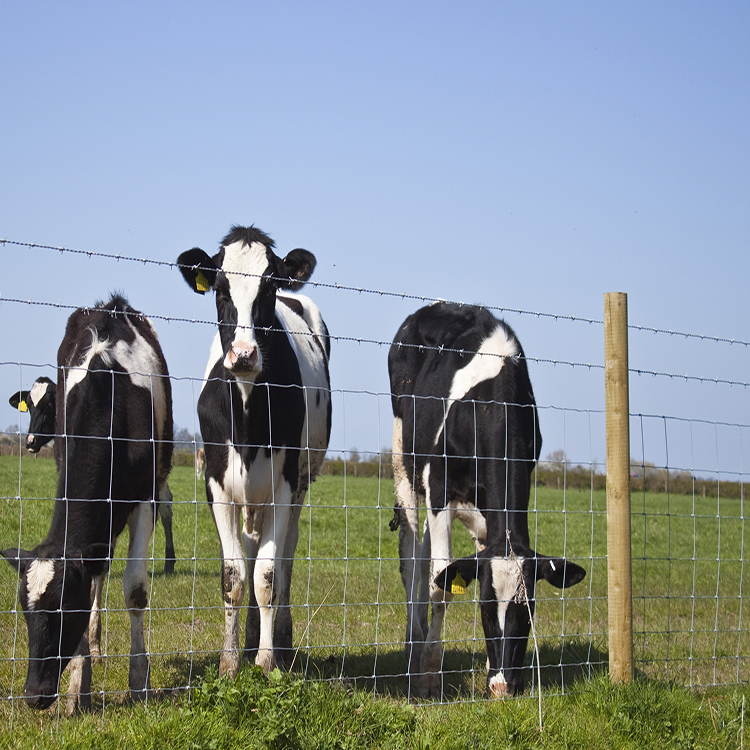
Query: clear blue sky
[519, 155]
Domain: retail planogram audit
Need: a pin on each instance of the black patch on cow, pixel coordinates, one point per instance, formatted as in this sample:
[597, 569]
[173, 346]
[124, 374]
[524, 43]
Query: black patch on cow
[138, 597]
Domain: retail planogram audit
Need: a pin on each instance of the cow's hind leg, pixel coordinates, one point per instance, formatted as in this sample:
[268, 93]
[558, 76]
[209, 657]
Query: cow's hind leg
[95, 620]
[440, 525]
[251, 540]
[164, 509]
[135, 587]
[406, 514]
[282, 627]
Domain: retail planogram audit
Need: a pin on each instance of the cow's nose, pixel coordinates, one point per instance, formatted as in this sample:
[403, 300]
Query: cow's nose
[243, 357]
[31, 443]
[35, 698]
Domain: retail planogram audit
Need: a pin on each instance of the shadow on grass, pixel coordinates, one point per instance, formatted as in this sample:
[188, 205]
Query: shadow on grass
[383, 671]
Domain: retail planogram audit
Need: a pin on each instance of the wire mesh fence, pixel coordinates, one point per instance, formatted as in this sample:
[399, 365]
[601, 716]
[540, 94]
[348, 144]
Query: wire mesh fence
[347, 600]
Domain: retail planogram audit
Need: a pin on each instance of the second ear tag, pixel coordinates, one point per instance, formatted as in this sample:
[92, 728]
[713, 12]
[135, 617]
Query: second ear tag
[201, 282]
[459, 585]
[22, 406]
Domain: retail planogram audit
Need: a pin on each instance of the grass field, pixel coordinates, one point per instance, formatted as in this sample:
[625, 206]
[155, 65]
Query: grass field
[690, 619]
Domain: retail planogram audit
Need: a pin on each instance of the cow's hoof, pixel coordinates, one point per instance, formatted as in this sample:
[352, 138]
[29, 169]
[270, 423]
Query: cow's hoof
[229, 664]
[77, 703]
[414, 656]
[265, 659]
[428, 685]
[498, 687]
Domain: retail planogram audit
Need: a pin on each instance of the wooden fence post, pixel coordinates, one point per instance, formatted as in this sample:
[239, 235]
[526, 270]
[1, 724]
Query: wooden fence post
[619, 572]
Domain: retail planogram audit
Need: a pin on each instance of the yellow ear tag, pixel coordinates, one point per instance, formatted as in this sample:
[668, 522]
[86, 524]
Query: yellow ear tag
[22, 406]
[201, 282]
[459, 585]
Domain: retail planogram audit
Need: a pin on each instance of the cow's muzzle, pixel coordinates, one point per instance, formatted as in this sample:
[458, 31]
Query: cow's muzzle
[38, 697]
[243, 357]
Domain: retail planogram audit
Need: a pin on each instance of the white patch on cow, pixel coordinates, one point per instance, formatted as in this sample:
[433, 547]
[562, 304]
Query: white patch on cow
[486, 364]
[507, 580]
[312, 366]
[36, 394]
[310, 314]
[473, 519]
[39, 575]
[426, 484]
[142, 364]
[215, 354]
[234, 481]
[78, 371]
[244, 265]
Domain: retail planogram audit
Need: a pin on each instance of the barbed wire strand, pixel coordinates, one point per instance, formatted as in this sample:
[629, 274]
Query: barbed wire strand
[396, 295]
[377, 342]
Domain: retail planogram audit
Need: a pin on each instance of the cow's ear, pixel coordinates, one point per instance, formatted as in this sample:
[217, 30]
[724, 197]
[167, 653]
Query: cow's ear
[559, 572]
[295, 270]
[20, 400]
[18, 558]
[96, 559]
[198, 269]
[459, 574]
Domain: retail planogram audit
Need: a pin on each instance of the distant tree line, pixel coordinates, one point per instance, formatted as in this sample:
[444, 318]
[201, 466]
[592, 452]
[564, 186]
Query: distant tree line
[354, 464]
[555, 471]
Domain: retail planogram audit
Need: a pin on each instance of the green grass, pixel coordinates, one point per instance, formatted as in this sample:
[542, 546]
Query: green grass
[283, 711]
[349, 611]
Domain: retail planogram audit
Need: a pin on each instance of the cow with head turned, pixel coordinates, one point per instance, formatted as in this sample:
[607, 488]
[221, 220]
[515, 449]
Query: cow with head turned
[113, 445]
[465, 441]
[39, 402]
[265, 418]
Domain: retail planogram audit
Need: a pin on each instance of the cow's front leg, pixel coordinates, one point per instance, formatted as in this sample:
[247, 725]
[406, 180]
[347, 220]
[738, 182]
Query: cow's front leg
[267, 577]
[79, 687]
[135, 587]
[228, 520]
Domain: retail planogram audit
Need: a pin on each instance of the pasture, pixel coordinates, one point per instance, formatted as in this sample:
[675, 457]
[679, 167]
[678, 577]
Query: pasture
[348, 601]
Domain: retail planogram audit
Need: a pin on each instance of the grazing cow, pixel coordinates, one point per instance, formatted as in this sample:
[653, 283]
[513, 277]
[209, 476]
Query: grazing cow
[200, 463]
[465, 441]
[113, 445]
[265, 417]
[39, 402]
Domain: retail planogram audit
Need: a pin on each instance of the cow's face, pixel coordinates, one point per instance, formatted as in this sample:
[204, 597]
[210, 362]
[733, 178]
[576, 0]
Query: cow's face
[55, 595]
[245, 275]
[506, 592]
[40, 404]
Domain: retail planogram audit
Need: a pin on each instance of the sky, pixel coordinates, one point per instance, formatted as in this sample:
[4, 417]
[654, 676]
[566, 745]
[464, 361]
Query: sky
[523, 156]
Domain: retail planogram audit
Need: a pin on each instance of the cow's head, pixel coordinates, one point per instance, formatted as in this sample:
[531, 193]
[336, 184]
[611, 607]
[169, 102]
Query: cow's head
[506, 592]
[245, 275]
[55, 595]
[39, 402]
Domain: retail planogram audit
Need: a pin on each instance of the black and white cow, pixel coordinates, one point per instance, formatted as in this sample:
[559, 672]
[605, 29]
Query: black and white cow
[113, 445]
[465, 441]
[39, 402]
[265, 418]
